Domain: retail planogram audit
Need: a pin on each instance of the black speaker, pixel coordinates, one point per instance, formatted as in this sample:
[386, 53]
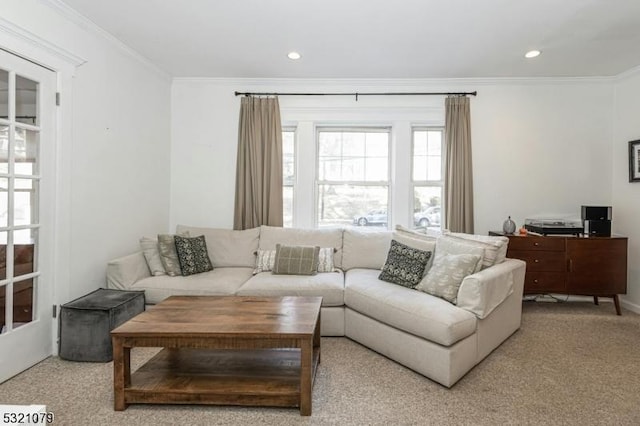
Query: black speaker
[596, 212]
[597, 228]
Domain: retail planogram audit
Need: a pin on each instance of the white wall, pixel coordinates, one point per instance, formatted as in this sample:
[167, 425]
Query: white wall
[539, 147]
[119, 151]
[626, 195]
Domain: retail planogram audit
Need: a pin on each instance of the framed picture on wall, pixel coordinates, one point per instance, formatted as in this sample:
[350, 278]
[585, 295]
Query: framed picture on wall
[634, 161]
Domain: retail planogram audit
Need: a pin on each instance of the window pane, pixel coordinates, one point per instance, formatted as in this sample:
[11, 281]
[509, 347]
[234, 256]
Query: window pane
[26, 100]
[378, 144]
[4, 149]
[427, 206]
[329, 144]
[353, 144]
[288, 175]
[352, 169]
[287, 206]
[376, 169]
[427, 155]
[341, 205]
[434, 165]
[353, 156]
[419, 143]
[435, 142]
[419, 168]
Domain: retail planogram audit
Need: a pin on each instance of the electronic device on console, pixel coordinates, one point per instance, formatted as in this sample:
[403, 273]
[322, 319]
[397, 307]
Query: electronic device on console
[597, 220]
[554, 226]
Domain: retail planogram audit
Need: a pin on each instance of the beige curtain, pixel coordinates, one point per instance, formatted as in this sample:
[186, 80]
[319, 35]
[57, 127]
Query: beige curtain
[259, 164]
[458, 188]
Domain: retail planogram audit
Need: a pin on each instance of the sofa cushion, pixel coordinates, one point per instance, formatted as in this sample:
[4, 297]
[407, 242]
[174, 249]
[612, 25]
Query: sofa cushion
[193, 255]
[365, 248]
[219, 282]
[272, 235]
[446, 275]
[404, 265]
[296, 260]
[329, 286]
[227, 247]
[409, 310]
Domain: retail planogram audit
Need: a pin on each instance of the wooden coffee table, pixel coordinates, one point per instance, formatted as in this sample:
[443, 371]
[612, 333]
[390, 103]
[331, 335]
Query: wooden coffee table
[221, 350]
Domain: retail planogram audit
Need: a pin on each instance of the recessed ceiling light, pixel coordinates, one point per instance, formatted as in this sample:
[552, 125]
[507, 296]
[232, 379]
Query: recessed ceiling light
[293, 55]
[532, 54]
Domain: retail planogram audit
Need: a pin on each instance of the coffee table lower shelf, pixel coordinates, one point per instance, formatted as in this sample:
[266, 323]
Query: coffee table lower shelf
[257, 377]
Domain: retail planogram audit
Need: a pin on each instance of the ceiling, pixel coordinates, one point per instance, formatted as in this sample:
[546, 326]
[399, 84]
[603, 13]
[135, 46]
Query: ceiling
[376, 38]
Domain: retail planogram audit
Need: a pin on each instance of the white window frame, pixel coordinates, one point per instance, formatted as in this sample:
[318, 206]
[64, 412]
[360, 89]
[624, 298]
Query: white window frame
[354, 129]
[427, 183]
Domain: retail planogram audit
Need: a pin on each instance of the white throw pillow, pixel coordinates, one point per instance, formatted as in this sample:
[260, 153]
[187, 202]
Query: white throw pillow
[446, 275]
[151, 254]
[450, 245]
[497, 249]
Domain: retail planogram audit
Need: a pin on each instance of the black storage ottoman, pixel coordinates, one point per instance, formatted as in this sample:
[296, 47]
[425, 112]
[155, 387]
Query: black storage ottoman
[86, 323]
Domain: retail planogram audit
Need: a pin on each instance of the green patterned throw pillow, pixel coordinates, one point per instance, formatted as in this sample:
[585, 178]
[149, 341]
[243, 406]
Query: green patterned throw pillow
[405, 265]
[193, 255]
[296, 260]
[446, 275]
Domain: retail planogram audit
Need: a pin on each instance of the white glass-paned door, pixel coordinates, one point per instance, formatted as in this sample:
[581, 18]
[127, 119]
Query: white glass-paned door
[27, 96]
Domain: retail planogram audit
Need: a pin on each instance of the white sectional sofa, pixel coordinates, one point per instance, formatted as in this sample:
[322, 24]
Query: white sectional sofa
[430, 335]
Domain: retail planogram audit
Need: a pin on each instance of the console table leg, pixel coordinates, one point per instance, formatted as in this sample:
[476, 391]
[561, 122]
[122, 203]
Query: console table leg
[595, 300]
[616, 301]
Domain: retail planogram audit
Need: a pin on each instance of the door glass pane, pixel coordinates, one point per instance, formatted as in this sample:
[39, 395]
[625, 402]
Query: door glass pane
[3, 301]
[26, 101]
[23, 259]
[22, 302]
[3, 257]
[26, 152]
[427, 206]
[4, 94]
[342, 205]
[25, 197]
[4, 149]
[4, 204]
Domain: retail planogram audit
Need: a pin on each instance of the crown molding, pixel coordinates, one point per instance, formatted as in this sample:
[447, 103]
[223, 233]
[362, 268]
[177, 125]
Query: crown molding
[628, 74]
[453, 83]
[34, 40]
[85, 23]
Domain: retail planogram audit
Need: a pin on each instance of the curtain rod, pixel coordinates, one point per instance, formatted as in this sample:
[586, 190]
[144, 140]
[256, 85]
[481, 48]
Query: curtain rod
[356, 94]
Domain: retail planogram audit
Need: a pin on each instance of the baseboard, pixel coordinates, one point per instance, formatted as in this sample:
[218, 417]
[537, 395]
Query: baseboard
[630, 306]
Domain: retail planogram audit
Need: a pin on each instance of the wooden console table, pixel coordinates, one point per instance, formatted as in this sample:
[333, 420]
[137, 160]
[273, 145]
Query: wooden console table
[578, 265]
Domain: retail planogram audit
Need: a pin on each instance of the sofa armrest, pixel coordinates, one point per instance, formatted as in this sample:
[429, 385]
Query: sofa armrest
[482, 292]
[124, 271]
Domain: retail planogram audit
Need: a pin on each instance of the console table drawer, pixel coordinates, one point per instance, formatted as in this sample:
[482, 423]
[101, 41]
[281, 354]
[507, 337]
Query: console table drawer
[537, 243]
[544, 282]
[540, 260]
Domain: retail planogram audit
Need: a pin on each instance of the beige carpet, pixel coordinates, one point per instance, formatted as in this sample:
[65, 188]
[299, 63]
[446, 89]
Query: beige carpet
[569, 364]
